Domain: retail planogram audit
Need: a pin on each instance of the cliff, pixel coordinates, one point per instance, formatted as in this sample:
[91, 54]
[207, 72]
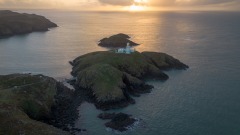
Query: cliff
[13, 23]
[29, 104]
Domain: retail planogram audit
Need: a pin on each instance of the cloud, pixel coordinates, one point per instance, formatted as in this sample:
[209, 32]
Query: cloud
[169, 2]
[117, 2]
[88, 4]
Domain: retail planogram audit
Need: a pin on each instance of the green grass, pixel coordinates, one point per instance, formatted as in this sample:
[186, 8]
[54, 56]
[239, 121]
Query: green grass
[134, 64]
[102, 72]
[104, 80]
[21, 106]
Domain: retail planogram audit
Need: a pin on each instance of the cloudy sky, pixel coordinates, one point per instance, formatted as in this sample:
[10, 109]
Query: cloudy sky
[121, 4]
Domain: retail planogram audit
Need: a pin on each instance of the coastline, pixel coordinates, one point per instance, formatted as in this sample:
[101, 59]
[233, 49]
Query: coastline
[14, 23]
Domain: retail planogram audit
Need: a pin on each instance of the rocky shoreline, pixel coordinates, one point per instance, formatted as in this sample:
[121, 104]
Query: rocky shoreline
[64, 112]
[37, 104]
[119, 121]
[13, 23]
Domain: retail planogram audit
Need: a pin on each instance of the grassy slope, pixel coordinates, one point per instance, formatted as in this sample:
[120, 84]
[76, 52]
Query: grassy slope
[102, 78]
[134, 64]
[104, 72]
[32, 99]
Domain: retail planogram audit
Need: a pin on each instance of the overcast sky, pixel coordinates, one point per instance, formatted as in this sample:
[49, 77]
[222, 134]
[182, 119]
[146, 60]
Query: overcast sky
[115, 4]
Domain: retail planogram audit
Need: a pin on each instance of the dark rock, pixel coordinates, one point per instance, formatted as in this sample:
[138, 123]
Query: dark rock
[114, 104]
[64, 112]
[13, 23]
[120, 122]
[71, 63]
[76, 129]
[106, 116]
[119, 40]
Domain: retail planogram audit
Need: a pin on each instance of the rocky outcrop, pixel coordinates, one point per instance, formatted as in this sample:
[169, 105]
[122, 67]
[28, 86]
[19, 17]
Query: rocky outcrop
[119, 121]
[164, 61]
[13, 23]
[110, 78]
[119, 40]
[35, 104]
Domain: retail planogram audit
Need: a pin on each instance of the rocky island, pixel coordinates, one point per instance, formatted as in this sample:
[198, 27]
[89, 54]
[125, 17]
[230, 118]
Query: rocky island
[13, 23]
[119, 122]
[116, 41]
[36, 105]
[110, 79]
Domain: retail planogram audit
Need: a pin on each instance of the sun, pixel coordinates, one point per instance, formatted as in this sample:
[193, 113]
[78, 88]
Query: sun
[138, 5]
[136, 8]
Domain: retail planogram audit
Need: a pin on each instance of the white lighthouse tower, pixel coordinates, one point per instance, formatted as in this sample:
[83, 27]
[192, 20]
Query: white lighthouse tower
[127, 50]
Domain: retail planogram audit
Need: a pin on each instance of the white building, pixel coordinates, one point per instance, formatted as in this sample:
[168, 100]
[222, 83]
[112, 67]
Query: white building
[127, 50]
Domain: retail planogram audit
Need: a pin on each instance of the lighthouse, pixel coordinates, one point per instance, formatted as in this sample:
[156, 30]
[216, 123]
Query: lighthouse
[127, 50]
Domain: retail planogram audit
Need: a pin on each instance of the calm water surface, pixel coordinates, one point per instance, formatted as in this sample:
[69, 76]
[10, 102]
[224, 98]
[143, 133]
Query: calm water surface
[204, 100]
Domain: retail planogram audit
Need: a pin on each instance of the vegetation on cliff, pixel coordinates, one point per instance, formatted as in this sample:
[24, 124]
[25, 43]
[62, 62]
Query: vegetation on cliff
[13, 23]
[26, 102]
[110, 77]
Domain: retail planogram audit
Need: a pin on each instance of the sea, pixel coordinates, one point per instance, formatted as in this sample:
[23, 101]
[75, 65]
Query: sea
[203, 100]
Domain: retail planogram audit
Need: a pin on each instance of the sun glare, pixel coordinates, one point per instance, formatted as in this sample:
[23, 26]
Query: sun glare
[136, 8]
[138, 5]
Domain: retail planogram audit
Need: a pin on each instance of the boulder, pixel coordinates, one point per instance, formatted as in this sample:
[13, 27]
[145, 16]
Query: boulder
[120, 122]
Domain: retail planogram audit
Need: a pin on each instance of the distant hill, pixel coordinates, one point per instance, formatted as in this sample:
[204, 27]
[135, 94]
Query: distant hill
[13, 23]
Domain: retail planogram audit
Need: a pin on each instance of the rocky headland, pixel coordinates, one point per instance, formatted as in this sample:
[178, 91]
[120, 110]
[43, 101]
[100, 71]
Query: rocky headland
[110, 79]
[13, 23]
[116, 41]
[36, 105]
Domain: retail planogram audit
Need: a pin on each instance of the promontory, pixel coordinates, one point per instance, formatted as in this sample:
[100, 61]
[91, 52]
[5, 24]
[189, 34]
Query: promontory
[110, 78]
[13, 23]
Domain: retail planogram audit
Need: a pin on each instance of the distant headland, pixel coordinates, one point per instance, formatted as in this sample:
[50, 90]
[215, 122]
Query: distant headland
[13, 23]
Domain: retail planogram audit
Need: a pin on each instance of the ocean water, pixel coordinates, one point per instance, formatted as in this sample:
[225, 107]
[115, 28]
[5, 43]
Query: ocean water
[203, 100]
